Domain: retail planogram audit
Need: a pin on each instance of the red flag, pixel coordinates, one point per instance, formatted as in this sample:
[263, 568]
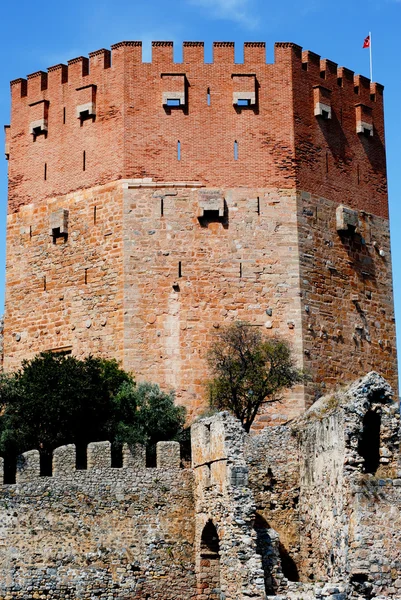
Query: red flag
[366, 42]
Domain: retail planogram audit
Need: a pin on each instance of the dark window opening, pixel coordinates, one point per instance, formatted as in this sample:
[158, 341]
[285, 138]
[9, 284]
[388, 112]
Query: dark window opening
[10, 469]
[369, 443]
[45, 172]
[240, 270]
[173, 102]
[46, 464]
[356, 89]
[243, 102]
[58, 236]
[258, 206]
[81, 457]
[210, 546]
[179, 269]
[366, 132]
[86, 276]
[340, 81]
[305, 66]
[208, 96]
[322, 74]
[289, 568]
[325, 114]
[373, 97]
[44, 283]
[84, 160]
[162, 207]
[94, 215]
[30, 231]
[64, 116]
[116, 455]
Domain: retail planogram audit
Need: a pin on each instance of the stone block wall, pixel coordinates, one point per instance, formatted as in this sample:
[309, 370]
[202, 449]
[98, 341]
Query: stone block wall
[105, 532]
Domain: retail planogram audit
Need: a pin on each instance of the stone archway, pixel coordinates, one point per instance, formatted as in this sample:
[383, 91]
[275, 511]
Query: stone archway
[209, 564]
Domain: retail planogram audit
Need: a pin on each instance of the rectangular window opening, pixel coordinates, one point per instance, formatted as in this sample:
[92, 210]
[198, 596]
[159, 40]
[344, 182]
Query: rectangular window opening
[84, 161]
[325, 114]
[258, 206]
[173, 102]
[86, 276]
[235, 150]
[44, 283]
[373, 97]
[240, 270]
[94, 215]
[178, 150]
[208, 96]
[64, 116]
[322, 74]
[45, 172]
[162, 207]
[179, 269]
[243, 102]
[340, 81]
[305, 66]
[356, 89]
[30, 231]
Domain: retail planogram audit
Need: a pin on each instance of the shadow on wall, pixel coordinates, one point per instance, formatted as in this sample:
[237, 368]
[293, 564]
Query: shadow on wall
[210, 562]
[276, 561]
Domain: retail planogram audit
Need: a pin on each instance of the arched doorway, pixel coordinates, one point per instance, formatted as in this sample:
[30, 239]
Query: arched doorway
[209, 564]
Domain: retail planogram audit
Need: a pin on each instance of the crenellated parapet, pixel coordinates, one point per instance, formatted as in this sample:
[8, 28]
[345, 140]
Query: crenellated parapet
[101, 101]
[168, 456]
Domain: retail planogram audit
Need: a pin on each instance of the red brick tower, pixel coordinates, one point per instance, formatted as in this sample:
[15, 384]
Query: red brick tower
[151, 203]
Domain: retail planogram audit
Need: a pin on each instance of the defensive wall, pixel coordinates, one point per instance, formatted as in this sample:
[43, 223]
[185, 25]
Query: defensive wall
[307, 510]
[152, 203]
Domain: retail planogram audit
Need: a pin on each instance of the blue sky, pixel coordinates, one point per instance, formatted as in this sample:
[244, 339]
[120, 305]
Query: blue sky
[36, 35]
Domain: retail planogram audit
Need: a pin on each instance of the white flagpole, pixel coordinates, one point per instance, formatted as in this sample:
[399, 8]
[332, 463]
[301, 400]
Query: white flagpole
[370, 54]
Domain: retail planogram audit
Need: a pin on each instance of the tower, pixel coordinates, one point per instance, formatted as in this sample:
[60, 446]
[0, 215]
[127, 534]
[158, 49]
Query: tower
[152, 203]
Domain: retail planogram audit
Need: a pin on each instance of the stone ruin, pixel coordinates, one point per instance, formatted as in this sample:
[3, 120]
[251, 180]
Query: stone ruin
[309, 510]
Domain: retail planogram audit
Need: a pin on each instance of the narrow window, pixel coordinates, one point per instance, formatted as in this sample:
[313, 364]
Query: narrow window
[44, 283]
[235, 150]
[208, 96]
[64, 116]
[322, 74]
[369, 444]
[30, 231]
[84, 161]
[86, 276]
[305, 66]
[45, 172]
[94, 215]
[373, 97]
[178, 150]
[340, 81]
[162, 207]
[356, 89]
[179, 269]
[327, 162]
[258, 206]
[240, 270]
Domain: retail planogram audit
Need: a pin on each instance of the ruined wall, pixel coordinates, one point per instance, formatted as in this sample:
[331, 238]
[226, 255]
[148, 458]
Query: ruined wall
[347, 296]
[106, 532]
[65, 292]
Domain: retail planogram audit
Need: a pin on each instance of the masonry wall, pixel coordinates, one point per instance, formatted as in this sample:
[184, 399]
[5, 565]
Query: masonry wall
[122, 533]
[347, 296]
[186, 276]
[65, 293]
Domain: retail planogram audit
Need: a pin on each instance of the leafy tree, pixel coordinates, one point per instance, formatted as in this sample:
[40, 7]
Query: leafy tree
[55, 400]
[249, 370]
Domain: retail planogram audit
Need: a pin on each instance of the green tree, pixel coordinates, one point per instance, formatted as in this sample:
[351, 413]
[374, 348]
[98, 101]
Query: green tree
[249, 370]
[55, 400]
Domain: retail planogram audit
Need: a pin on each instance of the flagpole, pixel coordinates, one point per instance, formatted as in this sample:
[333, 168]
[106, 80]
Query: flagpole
[370, 54]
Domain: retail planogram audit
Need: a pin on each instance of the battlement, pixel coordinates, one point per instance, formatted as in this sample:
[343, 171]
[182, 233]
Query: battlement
[260, 117]
[98, 457]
